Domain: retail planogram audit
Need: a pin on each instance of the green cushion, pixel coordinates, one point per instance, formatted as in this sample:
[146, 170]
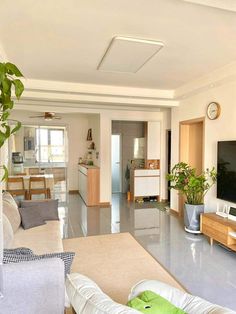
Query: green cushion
[152, 303]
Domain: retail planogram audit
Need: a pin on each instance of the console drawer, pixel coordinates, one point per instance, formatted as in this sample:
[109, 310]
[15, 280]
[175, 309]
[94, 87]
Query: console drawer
[214, 225]
[215, 234]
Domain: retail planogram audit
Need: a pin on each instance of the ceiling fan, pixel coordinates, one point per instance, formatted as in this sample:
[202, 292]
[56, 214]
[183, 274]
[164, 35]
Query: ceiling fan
[48, 116]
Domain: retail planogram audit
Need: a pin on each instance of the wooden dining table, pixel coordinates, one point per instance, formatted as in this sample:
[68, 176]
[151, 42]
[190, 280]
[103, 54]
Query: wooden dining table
[48, 177]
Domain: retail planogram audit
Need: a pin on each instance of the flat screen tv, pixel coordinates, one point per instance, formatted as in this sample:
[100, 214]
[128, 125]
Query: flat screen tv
[226, 169]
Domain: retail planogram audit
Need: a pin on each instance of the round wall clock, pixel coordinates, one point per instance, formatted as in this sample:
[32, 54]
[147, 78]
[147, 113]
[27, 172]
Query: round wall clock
[213, 110]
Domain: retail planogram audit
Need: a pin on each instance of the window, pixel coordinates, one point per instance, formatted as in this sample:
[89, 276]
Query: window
[50, 145]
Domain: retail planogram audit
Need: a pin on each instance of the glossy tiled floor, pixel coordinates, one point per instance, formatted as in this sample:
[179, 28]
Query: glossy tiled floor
[209, 272]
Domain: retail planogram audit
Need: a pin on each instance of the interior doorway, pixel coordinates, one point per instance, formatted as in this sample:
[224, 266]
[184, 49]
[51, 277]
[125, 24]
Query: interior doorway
[116, 163]
[191, 148]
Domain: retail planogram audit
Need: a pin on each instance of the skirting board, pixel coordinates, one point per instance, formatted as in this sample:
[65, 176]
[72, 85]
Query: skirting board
[104, 204]
[163, 200]
[174, 212]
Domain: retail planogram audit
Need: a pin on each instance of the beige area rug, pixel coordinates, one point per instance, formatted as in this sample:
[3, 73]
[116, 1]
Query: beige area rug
[116, 262]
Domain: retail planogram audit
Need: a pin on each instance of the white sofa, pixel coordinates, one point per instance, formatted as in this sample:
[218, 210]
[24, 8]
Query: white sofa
[37, 286]
[87, 298]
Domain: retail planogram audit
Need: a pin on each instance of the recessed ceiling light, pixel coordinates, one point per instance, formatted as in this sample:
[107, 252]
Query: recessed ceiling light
[125, 54]
[229, 5]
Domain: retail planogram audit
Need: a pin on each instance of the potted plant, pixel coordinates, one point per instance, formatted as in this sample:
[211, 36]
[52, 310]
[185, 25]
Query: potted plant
[194, 187]
[9, 81]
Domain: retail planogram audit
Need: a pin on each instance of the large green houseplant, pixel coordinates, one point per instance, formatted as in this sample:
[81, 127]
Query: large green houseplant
[9, 80]
[9, 83]
[193, 187]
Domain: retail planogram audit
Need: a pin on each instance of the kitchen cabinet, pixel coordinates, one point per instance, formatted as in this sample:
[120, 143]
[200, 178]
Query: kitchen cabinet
[144, 183]
[89, 184]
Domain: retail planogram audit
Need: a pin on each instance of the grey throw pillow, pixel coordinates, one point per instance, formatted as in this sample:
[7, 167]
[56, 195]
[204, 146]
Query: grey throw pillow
[31, 217]
[48, 209]
[67, 258]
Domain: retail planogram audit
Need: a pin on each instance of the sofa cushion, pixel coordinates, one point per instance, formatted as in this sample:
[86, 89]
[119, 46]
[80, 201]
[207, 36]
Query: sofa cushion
[8, 235]
[66, 257]
[10, 209]
[86, 297]
[48, 209]
[31, 217]
[43, 239]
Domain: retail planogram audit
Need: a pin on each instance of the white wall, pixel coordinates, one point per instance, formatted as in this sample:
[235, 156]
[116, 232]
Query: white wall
[94, 124]
[221, 129]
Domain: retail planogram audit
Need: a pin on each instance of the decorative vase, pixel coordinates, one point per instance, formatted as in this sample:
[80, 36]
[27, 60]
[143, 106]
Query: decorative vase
[192, 217]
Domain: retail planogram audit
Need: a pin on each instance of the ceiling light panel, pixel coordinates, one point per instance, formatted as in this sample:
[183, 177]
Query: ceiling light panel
[229, 5]
[126, 54]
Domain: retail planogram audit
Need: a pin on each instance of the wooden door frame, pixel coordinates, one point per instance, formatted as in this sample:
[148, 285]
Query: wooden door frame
[189, 122]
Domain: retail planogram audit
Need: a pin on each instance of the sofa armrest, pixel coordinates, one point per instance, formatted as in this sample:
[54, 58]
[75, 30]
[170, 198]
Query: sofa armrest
[86, 297]
[33, 287]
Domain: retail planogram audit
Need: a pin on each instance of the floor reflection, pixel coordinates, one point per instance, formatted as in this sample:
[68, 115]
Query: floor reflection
[205, 271]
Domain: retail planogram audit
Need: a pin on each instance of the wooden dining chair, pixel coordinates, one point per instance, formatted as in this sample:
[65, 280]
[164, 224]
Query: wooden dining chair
[37, 186]
[15, 186]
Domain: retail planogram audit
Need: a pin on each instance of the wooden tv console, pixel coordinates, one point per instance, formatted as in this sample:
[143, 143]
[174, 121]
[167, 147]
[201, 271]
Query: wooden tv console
[218, 228]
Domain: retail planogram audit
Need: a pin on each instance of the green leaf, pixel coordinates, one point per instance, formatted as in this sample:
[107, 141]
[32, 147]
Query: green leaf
[9, 105]
[2, 71]
[5, 176]
[6, 85]
[8, 131]
[19, 88]
[12, 69]
[5, 115]
[6, 98]
[16, 128]
[2, 138]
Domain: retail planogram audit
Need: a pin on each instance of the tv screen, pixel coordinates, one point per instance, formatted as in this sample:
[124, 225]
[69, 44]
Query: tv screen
[226, 169]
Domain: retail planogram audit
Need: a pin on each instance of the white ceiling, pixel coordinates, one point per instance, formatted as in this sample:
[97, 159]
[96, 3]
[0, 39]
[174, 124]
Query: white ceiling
[64, 40]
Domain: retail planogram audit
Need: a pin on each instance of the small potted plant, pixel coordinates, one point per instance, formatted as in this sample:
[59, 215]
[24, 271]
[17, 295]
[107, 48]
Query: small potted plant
[194, 187]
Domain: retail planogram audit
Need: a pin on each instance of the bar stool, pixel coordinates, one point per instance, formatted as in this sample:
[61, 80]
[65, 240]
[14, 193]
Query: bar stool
[37, 186]
[16, 187]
